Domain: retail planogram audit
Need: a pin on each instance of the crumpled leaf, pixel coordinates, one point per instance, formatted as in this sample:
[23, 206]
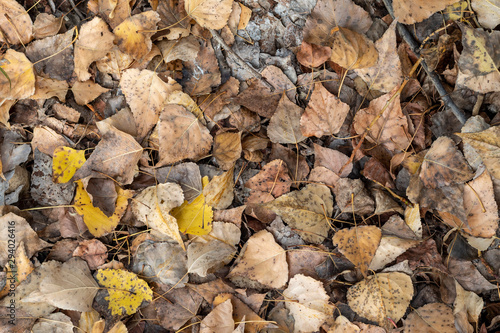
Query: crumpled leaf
[353, 50]
[273, 178]
[185, 49]
[312, 55]
[182, 136]
[381, 296]
[21, 76]
[69, 287]
[307, 211]
[284, 126]
[307, 301]
[219, 192]
[47, 25]
[227, 149]
[133, 35]
[261, 264]
[98, 223]
[126, 291]
[488, 12]
[194, 217]
[15, 23]
[358, 244]
[324, 115]
[389, 249]
[54, 322]
[409, 12]
[153, 205]
[432, 317]
[65, 162]
[210, 14]
[480, 55]
[219, 320]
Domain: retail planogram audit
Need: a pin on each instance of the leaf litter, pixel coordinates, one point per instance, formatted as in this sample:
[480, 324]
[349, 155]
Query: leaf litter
[239, 166]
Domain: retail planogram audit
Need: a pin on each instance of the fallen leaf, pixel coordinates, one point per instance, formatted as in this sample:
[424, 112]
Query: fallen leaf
[15, 23]
[284, 126]
[258, 98]
[153, 205]
[5, 105]
[307, 211]
[343, 325]
[307, 301]
[359, 245]
[65, 162]
[324, 115]
[261, 264]
[46, 88]
[381, 296]
[126, 290]
[479, 56]
[98, 223]
[133, 35]
[46, 140]
[85, 92]
[412, 219]
[227, 149]
[312, 55]
[323, 175]
[47, 25]
[185, 49]
[202, 76]
[17, 269]
[232, 215]
[352, 50]
[352, 197]
[115, 62]
[273, 179]
[219, 320]
[182, 136]
[432, 317]
[21, 76]
[417, 11]
[386, 73]
[296, 163]
[69, 287]
[388, 250]
[54, 322]
[488, 12]
[93, 251]
[187, 175]
[177, 307]
[331, 159]
[219, 192]
[469, 277]
[94, 42]
[210, 14]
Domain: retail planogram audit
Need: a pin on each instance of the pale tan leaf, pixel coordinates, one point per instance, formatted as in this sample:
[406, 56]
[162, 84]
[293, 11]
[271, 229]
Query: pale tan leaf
[47, 25]
[85, 92]
[220, 320]
[210, 14]
[469, 302]
[353, 50]
[21, 74]
[46, 88]
[409, 12]
[15, 23]
[133, 36]
[343, 325]
[431, 318]
[389, 249]
[219, 193]
[185, 49]
[115, 62]
[488, 12]
[54, 322]
[284, 126]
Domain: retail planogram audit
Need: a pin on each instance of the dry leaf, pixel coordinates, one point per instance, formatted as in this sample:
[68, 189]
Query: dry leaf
[386, 73]
[210, 14]
[284, 126]
[432, 318]
[18, 268]
[352, 197]
[133, 36]
[46, 88]
[479, 56]
[358, 244]
[21, 74]
[47, 25]
[258, 98]
[187, 175]
[115, 62]
[488, 12]
[93, 251]
[177, 307]
[416, 11]
[352, 50]
[389, 249]
[307, 211]
[182, 136]
[94, 42]
[114, 11]
[343, 325]
[261, 264]
[219, 320]
[185, 49]
[219, 193]
[65, 163]
[324, 115]
[381, 296]
[54, 322]
[312, 55]
[15, 23]
[273, 179]
[297, 164]
[153, 205]
[85, 92]
[331, 159]
[227, 149]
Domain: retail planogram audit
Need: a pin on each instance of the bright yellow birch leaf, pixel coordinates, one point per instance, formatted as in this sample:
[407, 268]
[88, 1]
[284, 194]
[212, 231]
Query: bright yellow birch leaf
[194, 218]
[98, 223]
[126, 290]
[65, 162]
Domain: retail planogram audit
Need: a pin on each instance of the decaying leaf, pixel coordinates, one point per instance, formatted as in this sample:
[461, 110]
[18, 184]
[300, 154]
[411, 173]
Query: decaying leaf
[133, 36]
[307, 211]
[227, 149]
[261, 264]
[85, 92]
[126, 291]
[15, 23]
[307, 301]
[284, 126]
[18, 77]
[219, 192]
[432, 317]
[389, 249]
[65, 163]
[381, 296]
[46, 88]
[416, 11]
[479, 56]
[54, 322]
[488, 12]
[312, 55]
[210, 14]
[353, 50]
[220, 319]
[273, 178]
[358, 244]
[47, 25]
[352, 197]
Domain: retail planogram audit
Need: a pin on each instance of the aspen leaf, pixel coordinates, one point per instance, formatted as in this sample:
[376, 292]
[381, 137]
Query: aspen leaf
[381, 296]
[133, 35]
[284, 126]
[358, 244]
[15, 23]
[307, 301]
[312, 55]
[488, 12]
[243, 313]
[46, 88]
[227, 149]
[219, 320]
[194, 218]
[343, 325]
[47, 25]
[307, 211]
[65, 162]
[246, 14]
[126, 291]
[210, 14]
[54, 322]
[22, 268]
[153, 205]
[21, 76]
[480, 55]
[98, 223]
[85, 92]
[431, 318]
[389, 249]
[410, 12]
[273, 178]
[261, 264]
[219, 192]
[412, 219]
[353, 50]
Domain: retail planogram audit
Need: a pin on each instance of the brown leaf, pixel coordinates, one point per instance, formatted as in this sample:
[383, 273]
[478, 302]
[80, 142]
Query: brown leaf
[85, 92]
[227, 149]
[182, 136]
[358, 244]
[47, 25]
[312, 55]
[324, 115]
[444, 165]
[352, 197]
[172, 15]
[185, 49]
[432, 317]
[180, 305]
[232, 215]
[220, 319]
[46, 88]
[93, 251]
[255, 209]
[416, 11]
[94, 42]
[219, 193]
[297, 164]
[202, 75]
[375, 170]
[305, 261]
[331, 159]
[116, 62]
[352, 50]
[214, 103]
[273, 178]
[15, 23]
[284, 126]
[323, 175]
[21, 74]
[133, 36]
[210, 14]
[114, 11]
[258, 98]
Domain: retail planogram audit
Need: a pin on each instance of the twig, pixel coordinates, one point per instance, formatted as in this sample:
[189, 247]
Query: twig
[52, 6]
[238, 59]
[407, 36]
[477, 106]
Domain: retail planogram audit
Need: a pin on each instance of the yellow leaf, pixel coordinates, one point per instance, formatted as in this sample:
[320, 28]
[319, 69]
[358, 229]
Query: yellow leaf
[19, 81]
[126, 290]
[194, 218]
[97, 222]
[210, 14]
[133, 35]
[65, 162]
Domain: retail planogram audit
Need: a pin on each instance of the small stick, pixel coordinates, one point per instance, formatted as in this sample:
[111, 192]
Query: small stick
[477, 106]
